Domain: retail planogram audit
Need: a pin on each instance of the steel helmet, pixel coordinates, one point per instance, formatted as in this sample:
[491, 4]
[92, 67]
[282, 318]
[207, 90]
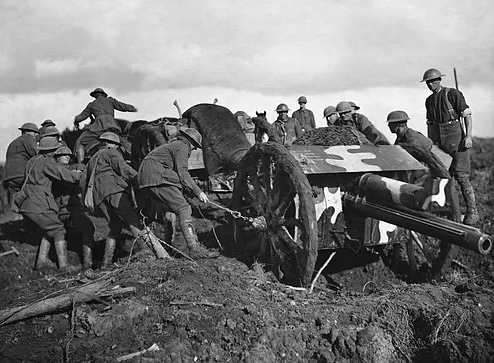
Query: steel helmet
[50, 131]
[343, 107]
[110, 137]
[48, 123]
[96, 91]
[193, 136]
[29, 126]
[302, 99]
[63, 150]
[397, 116]
[48, 143]
[355, 107]
[431, 73]
[328, 111]
[282, 107]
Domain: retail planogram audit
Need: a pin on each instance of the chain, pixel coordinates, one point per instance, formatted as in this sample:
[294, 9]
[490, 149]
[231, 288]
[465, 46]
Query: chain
[258, 222]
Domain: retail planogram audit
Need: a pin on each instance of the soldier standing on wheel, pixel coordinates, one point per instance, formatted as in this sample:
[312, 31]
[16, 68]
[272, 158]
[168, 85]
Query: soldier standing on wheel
[102, 112]
[164, 175]
[445, 108]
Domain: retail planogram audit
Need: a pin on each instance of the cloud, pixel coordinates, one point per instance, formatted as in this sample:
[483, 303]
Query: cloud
[268, 47]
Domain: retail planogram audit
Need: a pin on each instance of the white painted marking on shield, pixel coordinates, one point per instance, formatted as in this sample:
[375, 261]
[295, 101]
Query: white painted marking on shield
[384, 229]
[352, 162]
[332, 198]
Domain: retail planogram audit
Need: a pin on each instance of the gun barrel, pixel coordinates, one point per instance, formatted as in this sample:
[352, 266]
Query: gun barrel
[423, 222]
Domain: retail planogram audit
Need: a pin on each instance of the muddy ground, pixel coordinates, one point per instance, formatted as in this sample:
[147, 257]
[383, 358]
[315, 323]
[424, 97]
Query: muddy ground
[232, 310]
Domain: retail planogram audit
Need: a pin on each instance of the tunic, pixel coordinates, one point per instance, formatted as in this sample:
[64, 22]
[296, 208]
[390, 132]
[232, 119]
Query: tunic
[306, 119]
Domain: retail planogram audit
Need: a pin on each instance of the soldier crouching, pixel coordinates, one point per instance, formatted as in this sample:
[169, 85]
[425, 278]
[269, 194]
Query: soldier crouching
[37, 203]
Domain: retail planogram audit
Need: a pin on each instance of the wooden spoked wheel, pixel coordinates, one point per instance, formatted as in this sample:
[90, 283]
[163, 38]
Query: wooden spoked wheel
[271, 184]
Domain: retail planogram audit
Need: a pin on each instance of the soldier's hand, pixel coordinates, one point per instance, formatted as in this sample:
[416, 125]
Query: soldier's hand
[467, 142]
[76, 124]
[203, 197]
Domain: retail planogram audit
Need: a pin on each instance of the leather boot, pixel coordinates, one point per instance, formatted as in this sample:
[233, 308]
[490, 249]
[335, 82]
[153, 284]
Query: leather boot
[110, 246]
[472, 216]
[43, 262]
[87, 257]
[63, 258]
[196, 250]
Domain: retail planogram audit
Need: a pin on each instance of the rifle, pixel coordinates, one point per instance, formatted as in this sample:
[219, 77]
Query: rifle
[462, 121]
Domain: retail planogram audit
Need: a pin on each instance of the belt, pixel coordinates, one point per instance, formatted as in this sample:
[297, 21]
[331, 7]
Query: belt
[442, 123]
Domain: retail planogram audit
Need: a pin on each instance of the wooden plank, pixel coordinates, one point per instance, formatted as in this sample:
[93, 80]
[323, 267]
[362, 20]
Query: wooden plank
[353, 159]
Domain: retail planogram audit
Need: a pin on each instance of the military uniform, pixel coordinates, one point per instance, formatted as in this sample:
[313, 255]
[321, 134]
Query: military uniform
[305, 118]
[19, 152]
[112, 178]
[288, 130]
[72, 213]
[40, 205]
[102, 114]
[444, 110]
[362, 124]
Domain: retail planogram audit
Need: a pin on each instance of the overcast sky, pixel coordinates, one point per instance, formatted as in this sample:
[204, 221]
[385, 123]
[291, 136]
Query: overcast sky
[251, 55]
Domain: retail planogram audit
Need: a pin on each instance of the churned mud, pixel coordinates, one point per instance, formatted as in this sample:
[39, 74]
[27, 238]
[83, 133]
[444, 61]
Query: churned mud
[232, 310]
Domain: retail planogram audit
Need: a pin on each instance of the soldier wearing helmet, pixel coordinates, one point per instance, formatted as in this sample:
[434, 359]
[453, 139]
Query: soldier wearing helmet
[36, 202]
[101, 112]
[422, 149]
[349, 117]
[111, 181]
[330, 115]
[445, 108]
[163, 177]
[304, 116]
[71, 209]
[44, 125]
[288, 128]
[19, 152]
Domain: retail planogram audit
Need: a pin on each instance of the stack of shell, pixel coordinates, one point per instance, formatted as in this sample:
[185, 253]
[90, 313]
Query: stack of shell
[332, 136]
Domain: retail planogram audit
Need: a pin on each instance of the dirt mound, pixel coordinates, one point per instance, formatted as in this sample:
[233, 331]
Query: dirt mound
[332, 136]
[225, 310]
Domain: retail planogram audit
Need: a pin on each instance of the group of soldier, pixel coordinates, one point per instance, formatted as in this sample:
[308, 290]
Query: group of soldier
[449, 129]
[51, 190]
[47, 185]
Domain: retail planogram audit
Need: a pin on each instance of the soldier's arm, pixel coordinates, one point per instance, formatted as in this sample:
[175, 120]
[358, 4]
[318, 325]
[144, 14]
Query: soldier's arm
[461, 107]
[121, 167]
[312, 120]
[298, 129]
[120, 106]
[59, 172]
[182, 165]
[83, 115]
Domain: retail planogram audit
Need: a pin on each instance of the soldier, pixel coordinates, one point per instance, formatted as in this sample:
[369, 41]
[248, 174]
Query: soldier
[422, 149]
[102, 112]
[43, 127]
[360, 122]
[330, 115]
[164, 175]
[36, 202]
[445, 106]
[71, 210]
[112, 178]
[288, 128]
[19, 152]
[304, 116]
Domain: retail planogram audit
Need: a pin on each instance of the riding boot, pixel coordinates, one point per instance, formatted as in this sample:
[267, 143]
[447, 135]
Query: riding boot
[472, 216]
[43, 262]
[110, 246]
[87, 257]
[63, 258]
[196, 250]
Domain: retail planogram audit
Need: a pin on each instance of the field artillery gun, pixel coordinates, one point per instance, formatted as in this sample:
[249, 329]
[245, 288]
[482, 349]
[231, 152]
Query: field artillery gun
[301, 199]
